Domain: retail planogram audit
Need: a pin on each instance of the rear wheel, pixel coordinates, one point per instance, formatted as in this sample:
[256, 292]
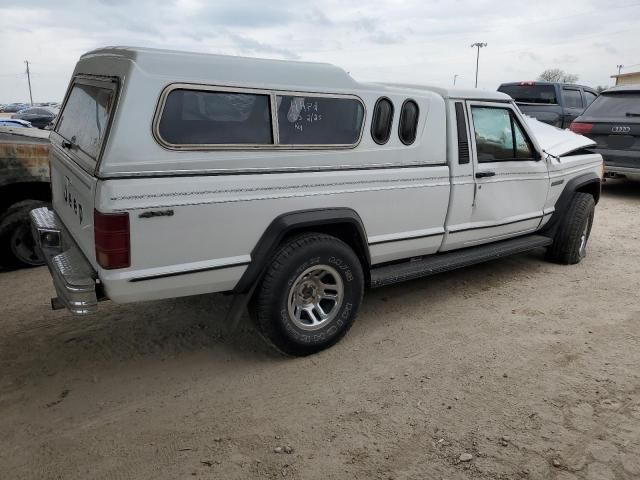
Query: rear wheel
[17, 245]
[310, 295]
[570, 243]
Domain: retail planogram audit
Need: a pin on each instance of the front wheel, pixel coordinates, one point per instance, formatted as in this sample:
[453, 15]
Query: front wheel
[310, 295]
[570, 243]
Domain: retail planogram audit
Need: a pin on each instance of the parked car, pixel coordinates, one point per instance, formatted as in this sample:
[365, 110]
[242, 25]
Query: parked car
[613, 122]
[24, 185]
[14, 122]
[15, 107]
[38, 116]
[293, 186]
[557, 104]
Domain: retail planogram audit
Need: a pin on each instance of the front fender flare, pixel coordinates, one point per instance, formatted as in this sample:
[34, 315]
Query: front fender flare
[585, 182]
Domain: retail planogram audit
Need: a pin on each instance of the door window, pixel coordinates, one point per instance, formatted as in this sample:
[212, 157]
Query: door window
[589, 97]
[572, 98]
[499, 136]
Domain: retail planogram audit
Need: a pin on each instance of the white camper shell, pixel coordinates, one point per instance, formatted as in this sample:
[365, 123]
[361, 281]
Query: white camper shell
[293, 186]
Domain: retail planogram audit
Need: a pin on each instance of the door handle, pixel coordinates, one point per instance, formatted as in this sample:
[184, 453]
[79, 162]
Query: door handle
[485, 174]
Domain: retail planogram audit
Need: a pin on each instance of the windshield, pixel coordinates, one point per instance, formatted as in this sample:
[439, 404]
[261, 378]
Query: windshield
[85, 116]
[530, 93]
[625, 105]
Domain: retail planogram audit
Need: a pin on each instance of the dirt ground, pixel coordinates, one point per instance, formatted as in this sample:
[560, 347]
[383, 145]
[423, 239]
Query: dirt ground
[530, 367]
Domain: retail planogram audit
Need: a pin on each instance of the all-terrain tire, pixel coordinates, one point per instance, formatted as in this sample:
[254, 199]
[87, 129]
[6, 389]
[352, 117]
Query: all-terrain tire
[17, 245]
[308, 267]
[570, 243]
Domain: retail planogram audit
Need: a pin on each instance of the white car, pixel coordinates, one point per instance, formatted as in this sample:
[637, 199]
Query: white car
[293, 186]
[15, 123]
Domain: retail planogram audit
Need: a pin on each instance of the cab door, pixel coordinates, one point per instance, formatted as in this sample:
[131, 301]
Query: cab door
[509, 179]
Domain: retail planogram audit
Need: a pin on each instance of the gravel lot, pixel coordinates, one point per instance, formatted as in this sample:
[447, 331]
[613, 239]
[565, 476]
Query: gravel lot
[531, 368]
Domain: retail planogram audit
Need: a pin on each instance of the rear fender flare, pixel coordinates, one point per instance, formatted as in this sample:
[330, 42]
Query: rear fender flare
[289, 223]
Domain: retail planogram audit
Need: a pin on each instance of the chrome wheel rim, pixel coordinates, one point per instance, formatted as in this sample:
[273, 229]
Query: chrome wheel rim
[315, 297]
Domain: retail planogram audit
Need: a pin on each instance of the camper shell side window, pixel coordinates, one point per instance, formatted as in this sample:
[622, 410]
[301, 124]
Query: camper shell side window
[201, 117]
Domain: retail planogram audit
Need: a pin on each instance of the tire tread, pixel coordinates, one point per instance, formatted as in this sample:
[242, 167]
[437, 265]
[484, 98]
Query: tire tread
[566, 244]
[267, 295]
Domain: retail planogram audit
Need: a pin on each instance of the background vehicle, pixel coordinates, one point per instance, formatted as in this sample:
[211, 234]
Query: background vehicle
[39, 117]
[24, 185]
[15, 107]
[557, 104]
[613, 122]
[15, 122]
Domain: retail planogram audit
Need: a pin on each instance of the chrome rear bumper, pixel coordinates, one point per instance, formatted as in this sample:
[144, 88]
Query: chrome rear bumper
[73, 276]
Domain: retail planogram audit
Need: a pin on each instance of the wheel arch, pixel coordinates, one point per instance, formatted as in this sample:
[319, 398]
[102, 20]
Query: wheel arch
[342, 223]
[589, 183]
[593, 188]
[18, 191]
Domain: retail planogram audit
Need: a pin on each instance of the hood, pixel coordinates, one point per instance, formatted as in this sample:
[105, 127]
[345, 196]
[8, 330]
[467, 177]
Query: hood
[556, 141]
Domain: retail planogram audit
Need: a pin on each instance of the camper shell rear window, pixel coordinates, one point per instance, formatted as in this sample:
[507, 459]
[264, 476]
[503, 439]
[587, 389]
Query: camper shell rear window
[85, 116]
[204, 117]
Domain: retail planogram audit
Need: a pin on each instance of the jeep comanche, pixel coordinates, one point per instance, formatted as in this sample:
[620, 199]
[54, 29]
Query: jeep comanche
[293, 187]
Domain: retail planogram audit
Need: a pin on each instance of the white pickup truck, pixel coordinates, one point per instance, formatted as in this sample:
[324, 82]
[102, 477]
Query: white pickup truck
[293, 187]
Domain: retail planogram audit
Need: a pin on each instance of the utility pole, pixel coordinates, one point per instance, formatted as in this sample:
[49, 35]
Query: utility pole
[479, 45]
[619, 67]
[29, 81]
[455, 76]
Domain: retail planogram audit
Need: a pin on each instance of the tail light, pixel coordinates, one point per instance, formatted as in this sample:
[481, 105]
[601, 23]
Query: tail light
[581, 128]
[111, 232]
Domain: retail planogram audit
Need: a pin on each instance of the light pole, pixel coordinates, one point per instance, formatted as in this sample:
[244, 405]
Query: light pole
[619, 67]
[455, 76]
[29, 81]
[479, 45]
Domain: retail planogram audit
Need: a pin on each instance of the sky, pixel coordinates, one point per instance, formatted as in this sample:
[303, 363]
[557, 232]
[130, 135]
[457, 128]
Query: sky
[421, 41]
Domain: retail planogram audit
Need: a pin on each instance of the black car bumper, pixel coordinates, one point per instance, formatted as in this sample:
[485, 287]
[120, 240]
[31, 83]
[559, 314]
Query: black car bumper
[622, 162]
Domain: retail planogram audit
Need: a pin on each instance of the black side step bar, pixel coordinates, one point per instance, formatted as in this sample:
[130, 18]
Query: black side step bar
[443, 262]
